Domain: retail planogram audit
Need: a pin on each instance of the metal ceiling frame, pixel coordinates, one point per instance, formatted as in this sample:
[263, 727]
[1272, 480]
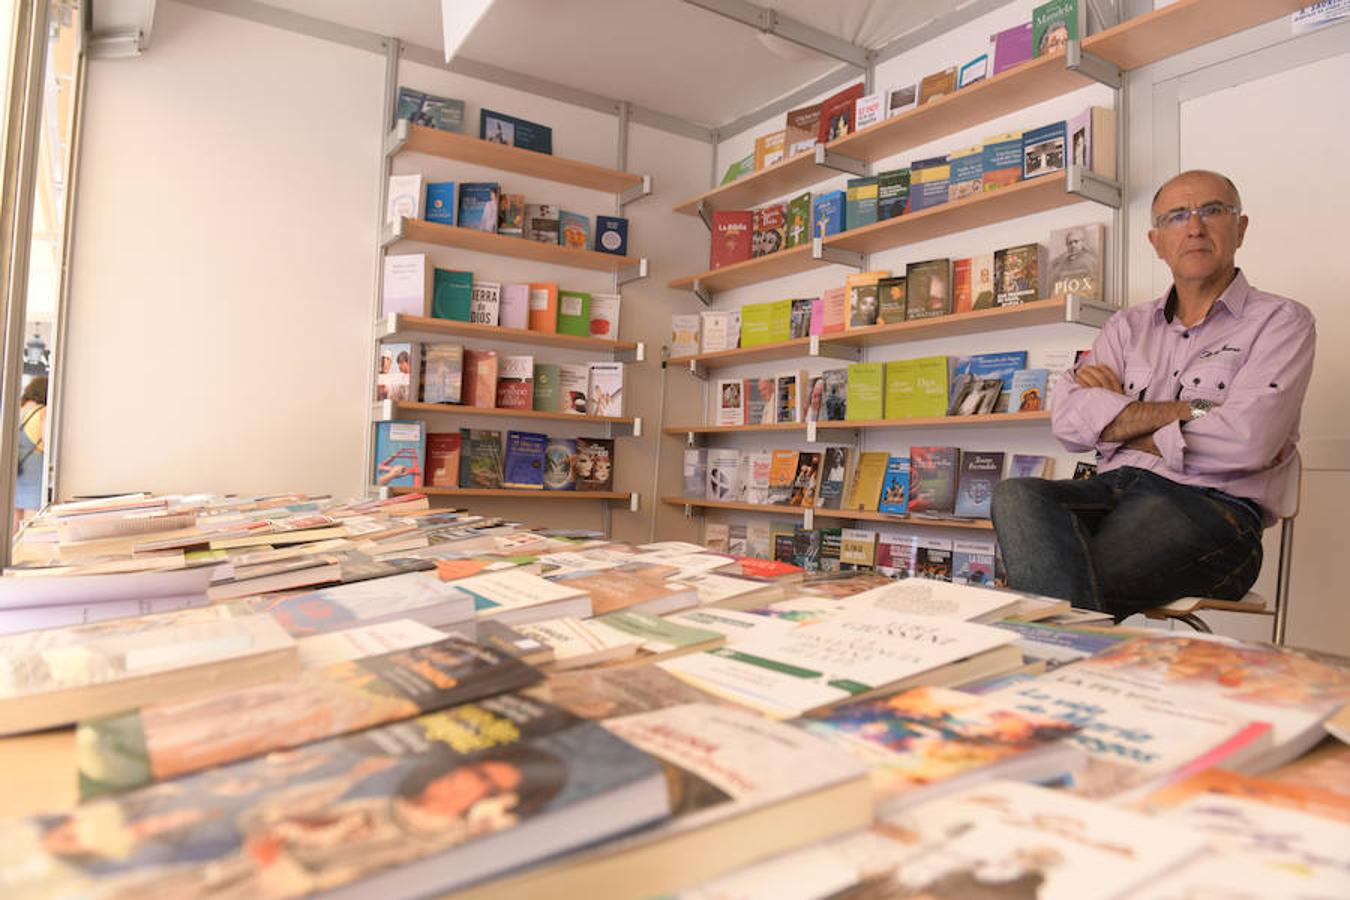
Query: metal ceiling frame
[768, 21]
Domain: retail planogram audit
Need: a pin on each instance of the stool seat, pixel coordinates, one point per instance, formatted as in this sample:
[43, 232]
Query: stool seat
[1186, 608]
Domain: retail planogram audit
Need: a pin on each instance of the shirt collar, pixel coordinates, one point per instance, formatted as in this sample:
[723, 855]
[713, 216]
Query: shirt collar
[1233, 298]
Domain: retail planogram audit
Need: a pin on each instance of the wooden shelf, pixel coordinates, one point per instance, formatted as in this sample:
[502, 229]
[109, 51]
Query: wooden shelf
[463, 148]
[733, 429]
[775, 181]
[740, 356]
[399, 327]
[508, 493]
[837, 515]
[752, 271]
[1012, 202]
[504, 245]
[1019, 418]
[452, 409]
[1180, 26]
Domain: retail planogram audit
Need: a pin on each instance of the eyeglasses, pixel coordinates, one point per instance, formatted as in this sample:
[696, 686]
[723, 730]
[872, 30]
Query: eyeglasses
[1208, 213]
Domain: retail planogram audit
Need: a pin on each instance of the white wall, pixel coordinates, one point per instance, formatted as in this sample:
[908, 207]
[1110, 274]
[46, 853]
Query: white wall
[223, 263]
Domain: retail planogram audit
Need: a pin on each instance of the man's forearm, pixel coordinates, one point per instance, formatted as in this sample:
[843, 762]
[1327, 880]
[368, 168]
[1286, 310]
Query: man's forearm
[1144, 417]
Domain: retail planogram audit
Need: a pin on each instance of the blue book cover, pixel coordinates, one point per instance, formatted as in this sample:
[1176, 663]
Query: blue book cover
[827, 214]
[574, 230]
[992, 365]
[966, 174]
[400, 448]
[1027, 392]
[1000, 156]
[980, 474]
[895, 488]
[929, 180]
[1043, 151]
[500, 128]
[560, 465]
[478, 205]
[523, 465]
[611, 235]
[440, 202]
[409, 105]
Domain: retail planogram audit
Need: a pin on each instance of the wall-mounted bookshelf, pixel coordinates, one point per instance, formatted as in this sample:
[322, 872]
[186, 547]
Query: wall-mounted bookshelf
[400, 327]
[386, 410]
[992, 419]
[420, 231]
[809, 514]
[632, 499]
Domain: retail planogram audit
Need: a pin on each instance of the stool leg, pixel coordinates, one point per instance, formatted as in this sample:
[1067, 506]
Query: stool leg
[1195, 622]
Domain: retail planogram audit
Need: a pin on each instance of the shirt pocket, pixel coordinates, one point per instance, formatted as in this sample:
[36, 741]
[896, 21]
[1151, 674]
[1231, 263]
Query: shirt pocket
[1137, 380]
[1207, 382]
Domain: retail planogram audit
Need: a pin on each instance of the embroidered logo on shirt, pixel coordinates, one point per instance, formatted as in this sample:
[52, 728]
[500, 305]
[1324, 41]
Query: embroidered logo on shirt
[1209, 354]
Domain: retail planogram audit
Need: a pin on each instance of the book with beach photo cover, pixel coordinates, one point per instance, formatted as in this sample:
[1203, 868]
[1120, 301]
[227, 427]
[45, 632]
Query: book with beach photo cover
[427, 805]
[166, 740]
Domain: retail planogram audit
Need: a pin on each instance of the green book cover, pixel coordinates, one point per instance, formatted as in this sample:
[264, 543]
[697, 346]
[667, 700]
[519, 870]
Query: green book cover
[574, 313]
[865, 391]
[891, 300]
[546, 395]
[930, 387]
[658, 635]
[902, 377]
[860, 205]
[892, 193]
[780, 321]
[739, 169]
[452, 294]
[799, 220]
[755, 324]
[1053, 25]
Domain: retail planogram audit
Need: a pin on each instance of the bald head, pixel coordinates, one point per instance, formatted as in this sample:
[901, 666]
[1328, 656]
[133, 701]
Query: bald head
[1200, 179]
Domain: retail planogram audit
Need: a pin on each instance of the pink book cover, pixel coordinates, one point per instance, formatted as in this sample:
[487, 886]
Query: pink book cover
[834, 305]
[515, 306]
[1012, 47]
[817, 316]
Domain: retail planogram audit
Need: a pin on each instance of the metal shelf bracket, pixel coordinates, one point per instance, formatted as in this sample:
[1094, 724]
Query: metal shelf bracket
[1081, 310]
[832, 351]
[1093, 66]
[830, 159]
[632, 273]
[698, 371]
[850, 258]
[705, 213]
[391, 234]
[702, 293]
[1091, 186]
[636, 192]
[634, 501]
[395, 140]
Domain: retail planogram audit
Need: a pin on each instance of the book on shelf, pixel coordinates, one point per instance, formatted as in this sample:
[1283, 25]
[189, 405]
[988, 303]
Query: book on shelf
[695, 474]
[803, 128]
[514, 306]
[902, 98]
[1092, 140]
[930, 386]
[973, 562]
[715, 331]
[895, 555]
[684, 335]
[758, 536]
[1043, 151]
[798, 227]
[782, 473]
[833, 477]
[443, 451]
[966, 177]
[865, 391]
[869, 474]
[981, 471]
[574, 313]
[732, 237]
[1028, 465]
[1076, 261]
[860, 207]
[399, 450]
[478, 205]
[595, 464]
[404, 200]
[834, 403]
[1029, 390]
[542, 223]
[523, 461]
[857, 547]
[1053, 26]
[164, 740]
[932, 473]
[868, 111]
[974, 71]
[759, 469]
[397, 369]
[863, 299]
[515, 382]
[937, 84]
[806, 480]
[770, 229]
[739, 169]
[765, 323]
[894, 498]
[723, 467]
[827, 214]
[900, 385]
[865, 654]
[452, 295]
[983, 289]
[893, 188]
[440, 204]
[933, 558]
[1012, 47]
[479, 383]
[1002, 161]
[785, 547]
[442, 373]
[604, 316]
[928, 289]
[730, 402]
[406, 286]
[499, 128]
[547, 396]
[511, 215]
[574, 385]
[837, 114]
[927, 742]
[560, 464]
[549, 766]
[891, 300]
[834, 310]
[485, 459]
[441, 113]
[987, 366]
[789, 390]
[769, 149]
[485, 303]
[574, 230]
[611, 235]
[802, 318]
[605, 389]
[1018, 273]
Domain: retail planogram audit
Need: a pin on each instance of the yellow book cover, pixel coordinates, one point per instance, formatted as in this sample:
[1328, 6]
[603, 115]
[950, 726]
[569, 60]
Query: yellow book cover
[867, 479]
[857, 547]
[769, 149]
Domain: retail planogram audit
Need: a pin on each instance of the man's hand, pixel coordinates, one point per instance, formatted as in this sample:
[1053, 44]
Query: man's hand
[1099, 377]
[1144, 443]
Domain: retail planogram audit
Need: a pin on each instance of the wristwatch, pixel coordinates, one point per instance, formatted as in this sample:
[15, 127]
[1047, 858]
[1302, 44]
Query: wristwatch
[1200, 408]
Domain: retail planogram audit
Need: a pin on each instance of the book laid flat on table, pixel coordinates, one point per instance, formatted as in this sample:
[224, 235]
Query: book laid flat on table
[636, 585]
[577, 642]
[925, 597]
[419, 596]
[167, 740]
[517, 598]
[852, 657]
[56, 677]
[432, 804]
[929, 741]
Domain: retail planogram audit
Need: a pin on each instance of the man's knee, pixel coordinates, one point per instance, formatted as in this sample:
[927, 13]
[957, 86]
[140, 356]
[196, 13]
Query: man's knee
[1015, 496]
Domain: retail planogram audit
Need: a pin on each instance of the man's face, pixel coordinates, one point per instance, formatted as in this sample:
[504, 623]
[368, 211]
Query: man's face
[1073, 243]
[1198, 249]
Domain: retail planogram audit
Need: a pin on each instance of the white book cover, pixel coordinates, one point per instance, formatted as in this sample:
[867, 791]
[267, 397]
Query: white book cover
[574, 384]
[723, 466]
[485, 303]
[605, 393]
[743, 478]
[605, 316]
[1010, 839]
[819, 870]
[716, 536]
[1132, 739]
[805, 609]
[759, 535]
[686, 564]
[398, 375]
[369, 640]
[867, 111]
[515, 368]
[791, 674]
[1055, 363]
[405, 285]
[496, 591]
[733, 329]
[760, 465]
[514, 310]
[695, 472]
[684, 334]
[713, 588]
[730, 402]
[938, 598]
[578, 643]
[405, 198]
[715, 327]
[736, 625]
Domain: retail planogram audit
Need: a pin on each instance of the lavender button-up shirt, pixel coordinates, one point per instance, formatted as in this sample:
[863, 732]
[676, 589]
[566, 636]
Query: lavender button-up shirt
[1252, 355]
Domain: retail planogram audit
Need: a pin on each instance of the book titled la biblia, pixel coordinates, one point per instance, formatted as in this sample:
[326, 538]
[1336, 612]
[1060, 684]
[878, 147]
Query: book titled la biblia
[818, 665]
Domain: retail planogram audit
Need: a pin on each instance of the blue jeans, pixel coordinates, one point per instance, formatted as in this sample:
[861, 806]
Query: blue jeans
[1125, 541]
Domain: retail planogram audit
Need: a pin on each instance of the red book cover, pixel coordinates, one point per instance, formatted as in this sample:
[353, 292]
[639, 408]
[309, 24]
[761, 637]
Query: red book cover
[836, 114]
[754, 567]
[732, 231]
[443, 459]
[962, 295]
[515, 382]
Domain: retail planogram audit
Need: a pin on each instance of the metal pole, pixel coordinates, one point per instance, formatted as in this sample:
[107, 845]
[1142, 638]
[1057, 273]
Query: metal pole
[23, 124]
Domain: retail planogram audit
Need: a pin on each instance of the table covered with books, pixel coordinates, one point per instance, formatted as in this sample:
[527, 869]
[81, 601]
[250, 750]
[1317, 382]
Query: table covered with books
[283, 696]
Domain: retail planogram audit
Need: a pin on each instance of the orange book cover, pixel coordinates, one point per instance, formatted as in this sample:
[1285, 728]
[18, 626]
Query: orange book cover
[834, 304]
[544, 307]
[963, 296]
